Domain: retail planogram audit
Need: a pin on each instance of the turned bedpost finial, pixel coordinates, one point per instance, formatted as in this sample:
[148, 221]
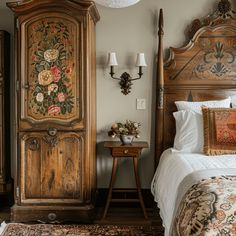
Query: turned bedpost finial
[160, 92]
[161, 20]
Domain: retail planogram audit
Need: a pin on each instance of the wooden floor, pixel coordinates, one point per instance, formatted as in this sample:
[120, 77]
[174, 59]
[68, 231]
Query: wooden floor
[115, 216]
[127, 216]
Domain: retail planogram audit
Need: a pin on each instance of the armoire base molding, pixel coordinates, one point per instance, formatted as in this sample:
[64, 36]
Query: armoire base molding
[52, 214]
[6, 195]
[5, 187]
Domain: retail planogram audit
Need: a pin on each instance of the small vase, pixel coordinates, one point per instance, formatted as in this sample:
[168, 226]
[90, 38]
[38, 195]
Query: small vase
[126, 138]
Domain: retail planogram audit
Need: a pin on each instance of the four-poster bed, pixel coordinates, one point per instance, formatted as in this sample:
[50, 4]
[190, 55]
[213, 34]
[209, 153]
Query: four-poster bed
[196, 193]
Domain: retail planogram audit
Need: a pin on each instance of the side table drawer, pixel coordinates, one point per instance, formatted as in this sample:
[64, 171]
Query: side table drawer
[125, 151]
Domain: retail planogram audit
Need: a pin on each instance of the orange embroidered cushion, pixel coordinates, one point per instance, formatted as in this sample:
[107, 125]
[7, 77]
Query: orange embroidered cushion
[219, 130]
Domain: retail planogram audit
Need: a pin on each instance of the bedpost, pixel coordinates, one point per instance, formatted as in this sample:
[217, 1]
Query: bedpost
[159, 92]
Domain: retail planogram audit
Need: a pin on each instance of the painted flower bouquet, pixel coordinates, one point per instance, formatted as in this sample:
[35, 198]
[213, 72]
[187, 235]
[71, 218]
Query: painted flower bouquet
[127, 128]
[52, 69]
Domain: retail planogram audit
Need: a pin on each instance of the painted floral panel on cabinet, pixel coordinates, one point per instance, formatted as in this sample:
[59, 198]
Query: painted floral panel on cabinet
[51, 69]
[53, 89]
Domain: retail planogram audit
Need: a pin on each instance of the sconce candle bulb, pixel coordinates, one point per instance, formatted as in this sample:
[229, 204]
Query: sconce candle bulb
[112, 61]
[125, 78]
[140, 62]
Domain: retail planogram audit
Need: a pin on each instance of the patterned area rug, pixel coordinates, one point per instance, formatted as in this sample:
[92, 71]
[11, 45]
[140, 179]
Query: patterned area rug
[15, 229]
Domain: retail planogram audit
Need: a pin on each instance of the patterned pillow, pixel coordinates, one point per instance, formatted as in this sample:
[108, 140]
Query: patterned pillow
[219, 130]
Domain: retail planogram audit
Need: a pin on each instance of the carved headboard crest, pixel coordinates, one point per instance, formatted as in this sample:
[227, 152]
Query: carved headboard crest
[222, 14]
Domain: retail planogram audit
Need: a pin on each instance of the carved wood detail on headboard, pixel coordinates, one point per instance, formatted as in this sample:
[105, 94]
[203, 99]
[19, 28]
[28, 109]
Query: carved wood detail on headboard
[204, 69]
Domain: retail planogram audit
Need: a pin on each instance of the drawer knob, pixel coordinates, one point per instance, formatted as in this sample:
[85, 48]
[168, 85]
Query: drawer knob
[126, 151]
[52, 216]
[52, 131]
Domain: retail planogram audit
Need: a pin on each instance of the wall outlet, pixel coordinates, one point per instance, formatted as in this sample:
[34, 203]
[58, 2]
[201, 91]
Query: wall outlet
[141, 103]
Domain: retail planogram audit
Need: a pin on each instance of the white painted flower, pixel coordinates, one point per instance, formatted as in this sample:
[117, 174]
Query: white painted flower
[51, 55]
[39, 97]
[52, 88]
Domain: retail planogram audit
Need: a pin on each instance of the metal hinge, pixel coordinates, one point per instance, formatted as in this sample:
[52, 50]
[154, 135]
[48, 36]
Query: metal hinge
[17, 192]
[17, 23]
[17, 85]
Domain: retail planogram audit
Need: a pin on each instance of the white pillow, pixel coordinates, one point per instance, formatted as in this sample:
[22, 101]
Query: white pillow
[189, 131]
[196, 106]
[233, 101]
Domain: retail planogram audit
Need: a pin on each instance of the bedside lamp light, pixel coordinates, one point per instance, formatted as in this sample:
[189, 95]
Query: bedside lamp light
[125, 78]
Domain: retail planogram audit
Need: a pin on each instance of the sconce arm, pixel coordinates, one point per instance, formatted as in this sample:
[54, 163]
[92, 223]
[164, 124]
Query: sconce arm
[112, 73]
[112, 76]
[140, 75]
[128, 78]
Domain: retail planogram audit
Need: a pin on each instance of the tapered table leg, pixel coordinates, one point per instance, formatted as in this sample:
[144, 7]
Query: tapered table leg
[135, 162]
[112, 181]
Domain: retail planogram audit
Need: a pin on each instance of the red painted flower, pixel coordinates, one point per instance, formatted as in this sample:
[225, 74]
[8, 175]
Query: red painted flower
[56, 73]
[61, 97]
[67, 84]
[54, 110]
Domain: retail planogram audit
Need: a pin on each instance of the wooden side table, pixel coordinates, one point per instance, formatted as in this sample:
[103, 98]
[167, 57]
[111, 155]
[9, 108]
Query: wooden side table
[118, 150]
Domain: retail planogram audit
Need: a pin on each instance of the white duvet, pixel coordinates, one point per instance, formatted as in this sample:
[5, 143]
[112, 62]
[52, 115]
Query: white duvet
[2, 227]
[173, 168]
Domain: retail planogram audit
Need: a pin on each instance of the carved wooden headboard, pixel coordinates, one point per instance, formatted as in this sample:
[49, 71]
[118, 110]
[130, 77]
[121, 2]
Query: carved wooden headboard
[205, 69]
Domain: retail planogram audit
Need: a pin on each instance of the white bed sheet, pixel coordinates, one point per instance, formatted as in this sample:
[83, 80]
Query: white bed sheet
[174, 166]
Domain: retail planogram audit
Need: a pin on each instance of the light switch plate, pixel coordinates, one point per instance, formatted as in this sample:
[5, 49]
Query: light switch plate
[141, 103]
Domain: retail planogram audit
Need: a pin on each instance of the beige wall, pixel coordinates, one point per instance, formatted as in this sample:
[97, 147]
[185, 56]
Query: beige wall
[128, 31]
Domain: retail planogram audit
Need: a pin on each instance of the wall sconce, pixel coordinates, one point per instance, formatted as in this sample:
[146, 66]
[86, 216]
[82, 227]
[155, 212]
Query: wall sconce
[125, 78]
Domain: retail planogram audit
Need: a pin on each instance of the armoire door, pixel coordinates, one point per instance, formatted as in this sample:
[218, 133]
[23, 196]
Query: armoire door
[51, 81]
[52, 167]
[50, 96]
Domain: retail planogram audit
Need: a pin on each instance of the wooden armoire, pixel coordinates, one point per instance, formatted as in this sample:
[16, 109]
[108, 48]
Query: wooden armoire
[55, 111]
[5, 130]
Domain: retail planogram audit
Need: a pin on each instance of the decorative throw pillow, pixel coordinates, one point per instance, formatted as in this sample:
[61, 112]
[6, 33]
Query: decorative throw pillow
[197, 106]
[219, 130]
[189, 131]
